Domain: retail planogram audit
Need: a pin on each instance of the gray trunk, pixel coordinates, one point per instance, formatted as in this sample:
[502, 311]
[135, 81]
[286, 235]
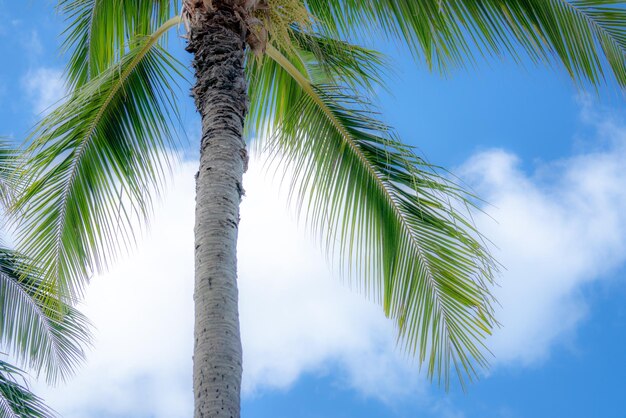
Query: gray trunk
[217, 42]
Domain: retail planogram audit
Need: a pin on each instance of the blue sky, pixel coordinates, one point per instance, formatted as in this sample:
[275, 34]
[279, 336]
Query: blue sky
[549, 160]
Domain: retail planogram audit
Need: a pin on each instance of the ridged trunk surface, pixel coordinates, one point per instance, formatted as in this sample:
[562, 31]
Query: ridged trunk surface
[217, 42]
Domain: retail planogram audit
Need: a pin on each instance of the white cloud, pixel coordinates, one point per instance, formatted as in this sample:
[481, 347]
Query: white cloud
[559, 228]
[44, 88]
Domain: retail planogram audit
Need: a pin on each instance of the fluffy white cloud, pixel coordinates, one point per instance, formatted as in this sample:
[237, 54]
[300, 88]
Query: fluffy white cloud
[44, 87]
[557, 229]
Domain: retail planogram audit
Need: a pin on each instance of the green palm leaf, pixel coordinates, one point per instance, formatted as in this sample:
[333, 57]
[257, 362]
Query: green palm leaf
[336, 61]
[47, 337]
[273, 92]
[10, 180]
[16, 400]
[588, 37]
[93, 162]
[392, 219]
[97, 37]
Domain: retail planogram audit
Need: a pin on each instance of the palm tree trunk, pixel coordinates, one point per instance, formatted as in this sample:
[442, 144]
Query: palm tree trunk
[217, 42]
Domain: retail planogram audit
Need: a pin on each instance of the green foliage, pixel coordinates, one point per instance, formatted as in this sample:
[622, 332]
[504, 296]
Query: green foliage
[16, 400]
[10, 179]
[273, 92]
[586, 36]
[48, 337]
[394, 222]
[108, 142]
[99, 31]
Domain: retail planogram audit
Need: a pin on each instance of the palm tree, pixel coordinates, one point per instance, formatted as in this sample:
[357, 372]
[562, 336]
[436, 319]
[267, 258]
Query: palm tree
[38, 330]
[289, 71]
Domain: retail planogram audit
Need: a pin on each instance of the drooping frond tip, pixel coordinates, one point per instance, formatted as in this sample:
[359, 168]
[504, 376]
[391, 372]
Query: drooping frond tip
[39, 329]
[16, 399]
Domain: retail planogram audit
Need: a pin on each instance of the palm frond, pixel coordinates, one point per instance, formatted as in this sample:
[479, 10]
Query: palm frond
[16, 400]
[48, 337]
[588, 37]
[100, 31]
[340, 62]
[92, 164]
[273, 92]
[10, 180]
[396, 222]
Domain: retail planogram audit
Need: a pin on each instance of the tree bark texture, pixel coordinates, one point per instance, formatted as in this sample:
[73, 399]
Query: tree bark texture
[217, 40]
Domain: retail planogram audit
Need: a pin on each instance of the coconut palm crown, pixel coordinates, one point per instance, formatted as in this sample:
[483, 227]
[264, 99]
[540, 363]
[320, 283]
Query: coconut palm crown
[290, 71]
